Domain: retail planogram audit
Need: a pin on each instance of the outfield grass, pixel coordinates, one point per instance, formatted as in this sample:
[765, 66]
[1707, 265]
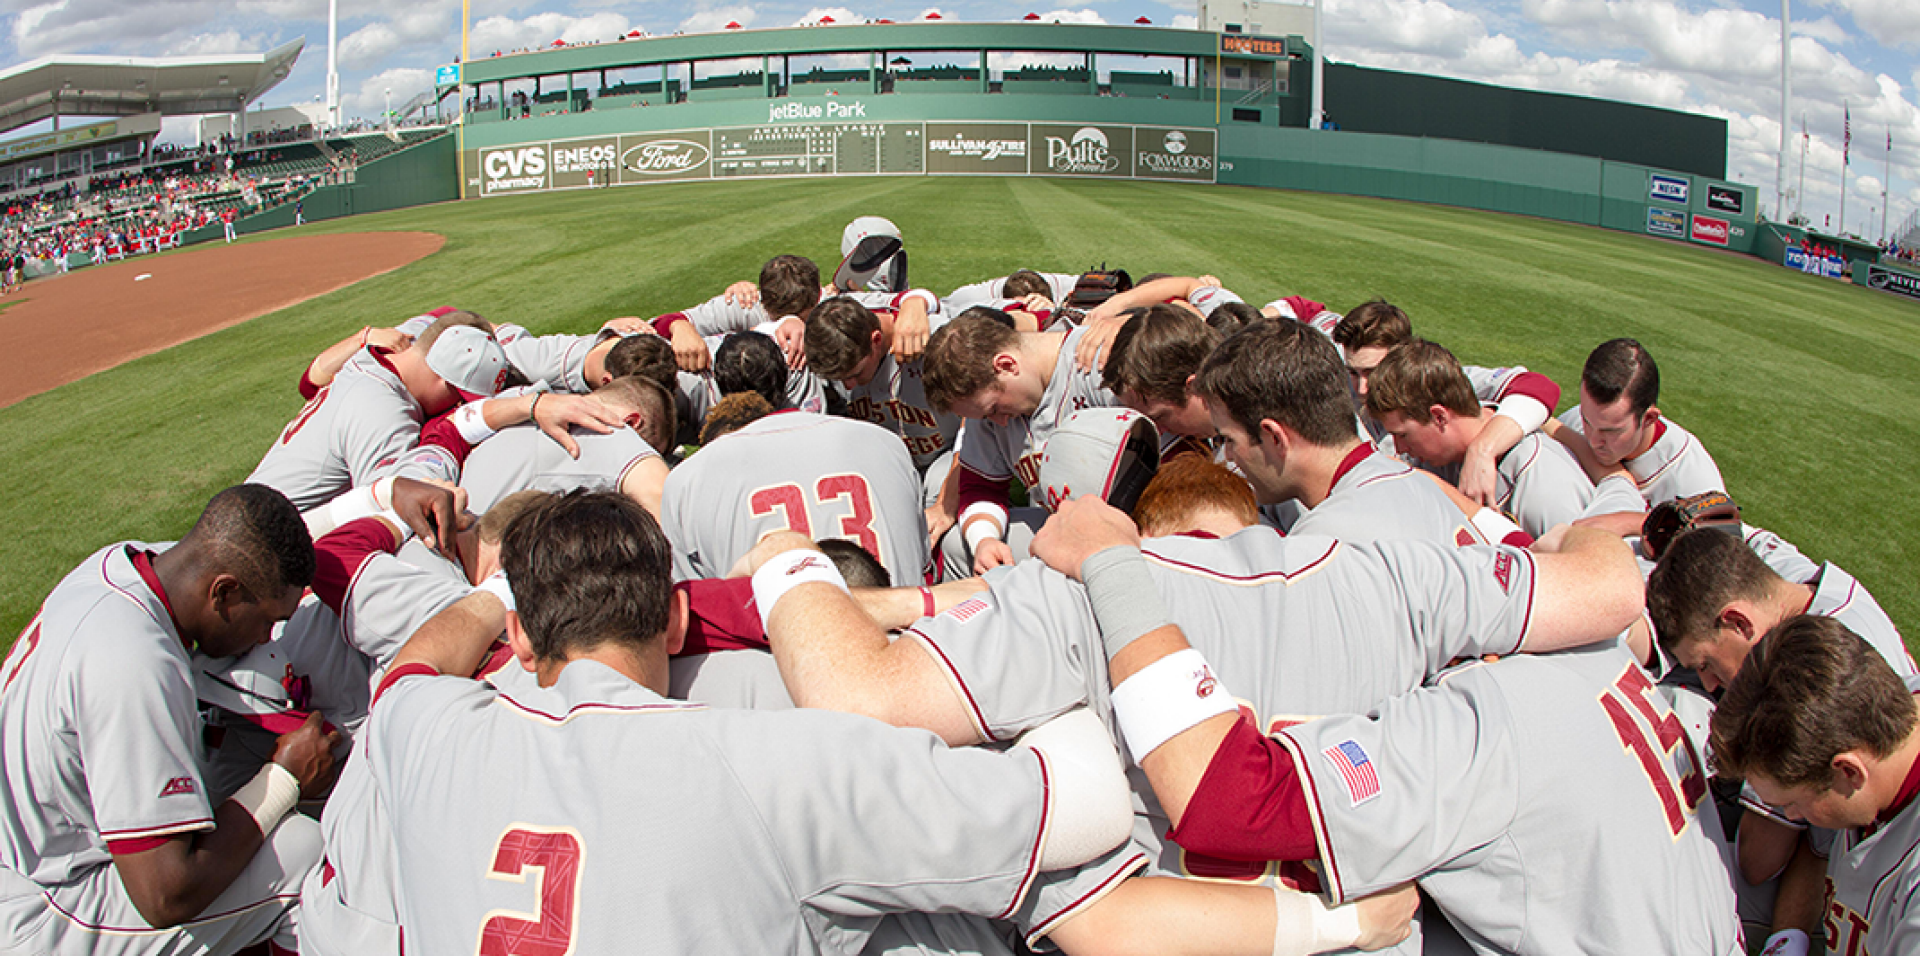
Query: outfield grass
[1802, 388]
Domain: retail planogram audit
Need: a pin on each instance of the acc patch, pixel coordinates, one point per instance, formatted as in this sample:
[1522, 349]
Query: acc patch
[177, 786]
[1503, 572]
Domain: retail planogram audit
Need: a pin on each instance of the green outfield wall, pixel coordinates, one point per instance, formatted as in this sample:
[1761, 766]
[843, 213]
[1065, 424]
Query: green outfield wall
[420, 174]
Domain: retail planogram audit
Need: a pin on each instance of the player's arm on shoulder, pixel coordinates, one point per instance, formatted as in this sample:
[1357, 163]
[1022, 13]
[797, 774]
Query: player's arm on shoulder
[1167, 916]
[1587, 589]
[833, 656]
[456, 640]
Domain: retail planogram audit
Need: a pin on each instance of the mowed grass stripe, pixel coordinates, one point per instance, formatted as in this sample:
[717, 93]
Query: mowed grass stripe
[1800, 387]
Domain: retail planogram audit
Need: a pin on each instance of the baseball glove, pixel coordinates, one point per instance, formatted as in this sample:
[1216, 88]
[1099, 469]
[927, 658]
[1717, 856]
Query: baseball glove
[1668, 519]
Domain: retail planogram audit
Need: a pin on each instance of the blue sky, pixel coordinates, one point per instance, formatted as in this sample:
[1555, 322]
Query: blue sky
[1720, 58]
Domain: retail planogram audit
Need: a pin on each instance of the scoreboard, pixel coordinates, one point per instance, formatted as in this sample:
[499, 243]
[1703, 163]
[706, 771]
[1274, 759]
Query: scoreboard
[818, 149]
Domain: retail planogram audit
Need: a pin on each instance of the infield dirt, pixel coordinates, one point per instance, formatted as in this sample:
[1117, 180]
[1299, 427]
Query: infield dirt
[70, 326]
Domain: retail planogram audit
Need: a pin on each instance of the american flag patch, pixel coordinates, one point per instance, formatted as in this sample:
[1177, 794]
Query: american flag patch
[967, 608]
[1356, 770]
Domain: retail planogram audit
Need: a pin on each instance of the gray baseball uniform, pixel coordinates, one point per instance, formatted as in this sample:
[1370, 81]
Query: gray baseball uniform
[896, 399]
[1676, 466]
[357, 430]
[1338, 628]
[1550, 804]
[558, 360]
[1873, 880]
[99, 736]
[1013, 450]
[1538, 483]
[747, 680]
[383, 593]
[743, 797]
[824, 477]
[522, 457]
[1377, 498]
[805, 390]
[1059, 284]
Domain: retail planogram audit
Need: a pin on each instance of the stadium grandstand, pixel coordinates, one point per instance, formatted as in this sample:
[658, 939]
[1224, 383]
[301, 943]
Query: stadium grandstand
[91, 183]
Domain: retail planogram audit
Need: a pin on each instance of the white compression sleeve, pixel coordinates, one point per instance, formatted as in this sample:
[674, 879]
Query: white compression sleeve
[1087, 798]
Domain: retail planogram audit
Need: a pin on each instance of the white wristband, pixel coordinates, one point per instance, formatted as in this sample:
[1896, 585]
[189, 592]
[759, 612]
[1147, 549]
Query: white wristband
[980, 531]
[269, 796]
[1525, 410]
[351, 505]
[1787, 942]
[496, 585]
[1305, 924]
[932, 302]
[788, 570]
[470, 420]
[1166, 697]
[401, 529]
[1493, 525]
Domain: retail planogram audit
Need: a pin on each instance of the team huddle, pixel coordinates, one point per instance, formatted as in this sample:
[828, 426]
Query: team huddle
[1058, 612]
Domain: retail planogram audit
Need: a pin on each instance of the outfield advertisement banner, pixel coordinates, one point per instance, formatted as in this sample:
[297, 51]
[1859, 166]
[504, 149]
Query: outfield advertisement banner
[1666, 222]
[1672, 189]
[1080, 150]
[797, 147]
[1728, 199]
[1890, 280]
[1710, 230]
[977, 148]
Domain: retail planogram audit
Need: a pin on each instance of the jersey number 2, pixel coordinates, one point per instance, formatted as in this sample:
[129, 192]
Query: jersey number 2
[1678, 797]
[549, 930]
[856, 523]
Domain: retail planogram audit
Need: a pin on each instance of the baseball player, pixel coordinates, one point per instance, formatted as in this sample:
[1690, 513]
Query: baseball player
[521, 457]
[1056, 286]
[109, 840]
[707, 771]
[575, 364]
[798, 471]
[1275, 394]
[1420, 395]
[852, 344]
[789, 288]
[1445, 784]
[364, 424]
[1851, 764]
[1013, 389]
[1617, 425]
[1019, 653]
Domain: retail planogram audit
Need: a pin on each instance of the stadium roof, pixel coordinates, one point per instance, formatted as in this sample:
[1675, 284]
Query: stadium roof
[129, 85]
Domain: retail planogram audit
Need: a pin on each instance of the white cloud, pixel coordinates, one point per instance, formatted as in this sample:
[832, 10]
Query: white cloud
[1084, 15]
[1186, 21]
[716, 18]
[839, 15]
[371, 99]
[210, 44]
[1892, 23]
[415, 26]
[541, 29]
[1823, 29]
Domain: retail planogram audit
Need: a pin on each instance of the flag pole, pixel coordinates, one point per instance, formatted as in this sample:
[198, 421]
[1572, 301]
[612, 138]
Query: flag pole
[1786, 93]
[1846, 150]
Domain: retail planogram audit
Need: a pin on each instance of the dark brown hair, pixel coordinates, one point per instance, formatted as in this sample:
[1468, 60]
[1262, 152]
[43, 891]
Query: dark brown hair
[1283, 371]
[588, 568]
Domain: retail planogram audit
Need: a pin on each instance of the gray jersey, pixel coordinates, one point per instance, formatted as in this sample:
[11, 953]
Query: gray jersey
[1013, 450]
[1779, 554]
[1837, 595]
[523, 457]
[1538, 483]
[391, 595]
[99, 731]
[558, 360]
[744, 808]
[1059, 284]
[1296, 626]
[1873, 885]
[718, 316]
[1676, 466]
[824, 477]
[1550, 804]
[747, 679]
[348, 905]
[805, 390]
[358, 429]
[896, 399]
[1377, 498]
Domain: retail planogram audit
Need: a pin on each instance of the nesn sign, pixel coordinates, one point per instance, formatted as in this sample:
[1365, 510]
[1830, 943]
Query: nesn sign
[1669, 188]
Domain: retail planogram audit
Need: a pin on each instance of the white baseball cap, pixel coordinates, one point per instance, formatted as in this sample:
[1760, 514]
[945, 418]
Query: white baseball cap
[470, 360]
[1110, 452]
[863, 227]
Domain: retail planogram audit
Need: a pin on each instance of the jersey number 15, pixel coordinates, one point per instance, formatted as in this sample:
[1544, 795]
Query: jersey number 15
[1679, 788]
